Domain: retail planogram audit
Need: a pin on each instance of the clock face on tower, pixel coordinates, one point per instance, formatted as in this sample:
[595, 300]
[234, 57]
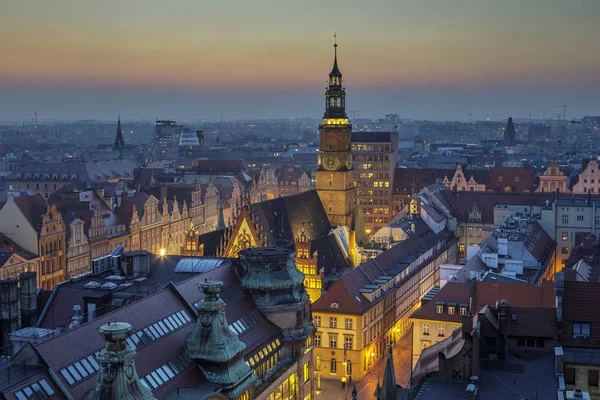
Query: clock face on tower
[331, 162]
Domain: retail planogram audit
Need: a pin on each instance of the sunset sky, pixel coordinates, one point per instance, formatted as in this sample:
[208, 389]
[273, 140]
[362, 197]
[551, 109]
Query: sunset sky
[190, 59]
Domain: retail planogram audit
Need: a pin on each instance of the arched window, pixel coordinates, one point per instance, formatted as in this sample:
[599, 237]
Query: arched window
[333, 367]
[334, 305]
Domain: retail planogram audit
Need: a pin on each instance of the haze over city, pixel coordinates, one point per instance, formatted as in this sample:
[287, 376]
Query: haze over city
[193, 60]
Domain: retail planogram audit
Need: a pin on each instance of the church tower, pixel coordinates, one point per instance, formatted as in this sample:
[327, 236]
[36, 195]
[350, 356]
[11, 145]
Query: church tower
[334, 175]
[119, 142]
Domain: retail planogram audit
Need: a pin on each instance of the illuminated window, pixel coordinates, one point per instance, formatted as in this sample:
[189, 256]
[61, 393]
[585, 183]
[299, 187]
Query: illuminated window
[565, 236]
[348, 343]
[348, 323]
[306, 372]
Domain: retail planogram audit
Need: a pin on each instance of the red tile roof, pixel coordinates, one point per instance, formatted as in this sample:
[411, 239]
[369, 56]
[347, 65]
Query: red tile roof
[531, 321]
[519, 179]
[580, 304]
[487, 293]
[346, 290]
[33, 207]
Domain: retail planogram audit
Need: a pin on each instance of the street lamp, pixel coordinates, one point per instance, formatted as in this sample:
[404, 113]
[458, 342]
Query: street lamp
[345, 378]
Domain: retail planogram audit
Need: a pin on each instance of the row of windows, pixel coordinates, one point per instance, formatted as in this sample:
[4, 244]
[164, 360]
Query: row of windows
[88, 365]
[371, 147]
[154, 331]
[371, 175]
[166, 372]
[333, 321]
[37, 390]
[333, 341]
[376, 167]
[377, 157]
[440, 332]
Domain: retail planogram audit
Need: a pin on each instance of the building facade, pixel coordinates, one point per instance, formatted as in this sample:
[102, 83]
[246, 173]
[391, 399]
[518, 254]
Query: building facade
[369, 308]
[374, 158]
[553, 179]
[587, 180]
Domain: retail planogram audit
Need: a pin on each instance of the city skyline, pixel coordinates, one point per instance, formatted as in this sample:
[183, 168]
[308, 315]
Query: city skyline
[430, 60]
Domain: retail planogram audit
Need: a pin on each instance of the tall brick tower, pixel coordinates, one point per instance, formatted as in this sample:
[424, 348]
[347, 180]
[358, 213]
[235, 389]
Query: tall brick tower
[334, 175]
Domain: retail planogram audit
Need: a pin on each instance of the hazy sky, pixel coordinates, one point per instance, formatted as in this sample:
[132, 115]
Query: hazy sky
[193, 59]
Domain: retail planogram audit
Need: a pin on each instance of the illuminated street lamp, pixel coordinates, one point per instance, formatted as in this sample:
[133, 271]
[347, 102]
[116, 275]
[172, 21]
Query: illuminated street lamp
[162, 252]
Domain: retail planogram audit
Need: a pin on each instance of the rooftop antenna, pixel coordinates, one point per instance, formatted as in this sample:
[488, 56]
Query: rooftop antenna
[564, 107]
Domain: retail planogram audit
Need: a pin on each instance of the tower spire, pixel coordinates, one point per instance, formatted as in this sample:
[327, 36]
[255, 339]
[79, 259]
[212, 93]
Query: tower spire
[335, 71]
[119, 141]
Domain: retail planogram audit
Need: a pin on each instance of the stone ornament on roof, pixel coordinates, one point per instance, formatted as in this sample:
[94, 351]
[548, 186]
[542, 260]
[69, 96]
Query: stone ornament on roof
[118, 377]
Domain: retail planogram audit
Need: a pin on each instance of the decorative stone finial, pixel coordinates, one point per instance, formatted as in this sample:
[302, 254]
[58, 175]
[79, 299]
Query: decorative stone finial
[118, 377]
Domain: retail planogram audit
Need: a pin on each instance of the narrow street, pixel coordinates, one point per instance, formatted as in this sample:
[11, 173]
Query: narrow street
[332, 388]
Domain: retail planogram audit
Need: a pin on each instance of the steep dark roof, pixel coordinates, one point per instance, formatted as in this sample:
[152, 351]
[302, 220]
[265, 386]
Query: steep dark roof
[216, 167]
[85, 340]
[346, 291]
[519, 179]
[33, 207]
[283, 216]
[531, 321]
[580, 305]
[373, 137]
[463, 202]
[486, 293]
[412, 180]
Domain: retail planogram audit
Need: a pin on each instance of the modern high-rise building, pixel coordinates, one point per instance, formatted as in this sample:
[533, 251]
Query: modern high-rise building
[167, 134]
[374, 159]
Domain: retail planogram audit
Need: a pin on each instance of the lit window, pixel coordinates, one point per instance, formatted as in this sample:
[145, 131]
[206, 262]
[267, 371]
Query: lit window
[333, 341]
[441, 330]
[451, 310]
[348, 343]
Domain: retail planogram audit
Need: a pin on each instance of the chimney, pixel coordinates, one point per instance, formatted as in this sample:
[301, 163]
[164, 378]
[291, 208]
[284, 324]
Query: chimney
[77, 318]
[588, 242]
[467, 325]
[9, 302]
[502, 328]
[559, 292]
[28, 297]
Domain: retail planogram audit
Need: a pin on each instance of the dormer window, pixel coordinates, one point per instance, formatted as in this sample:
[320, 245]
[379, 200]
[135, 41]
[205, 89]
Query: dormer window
[517, 179]
[451, 310]
[463, 311]
[500, 179]
[439, 308]
[334, 305]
